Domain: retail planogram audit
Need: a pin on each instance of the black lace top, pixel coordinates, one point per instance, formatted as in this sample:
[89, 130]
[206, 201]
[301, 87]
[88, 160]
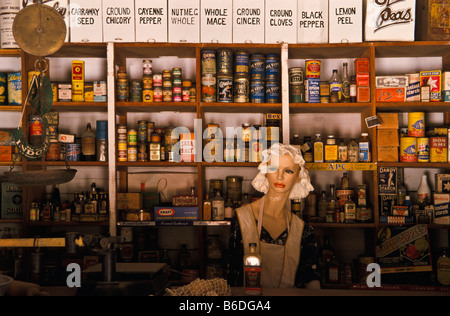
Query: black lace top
[308, 267]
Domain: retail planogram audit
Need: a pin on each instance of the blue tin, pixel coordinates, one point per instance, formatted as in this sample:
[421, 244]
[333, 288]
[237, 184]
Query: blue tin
[258, 67]
[73, 152]
[102, 129]
[257, 91]
[273, 94]
[313, 91]
[273, 67]
[242, 63]
[15, 88]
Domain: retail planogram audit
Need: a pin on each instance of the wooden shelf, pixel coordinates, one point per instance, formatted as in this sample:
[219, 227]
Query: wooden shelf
[10, 108]
[80, 106]
[82, 50]
[176, 223]
[427, 165]
[10, 52]
[185, 107]
[343, 225]
[344, 166]
[66, 224]
[296, 108]
[70, 163]
[218, 107]
[413, 106]
[329, 51]
[411, 49]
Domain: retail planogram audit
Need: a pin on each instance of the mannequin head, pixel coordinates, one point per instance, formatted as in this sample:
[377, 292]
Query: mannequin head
[282, 170]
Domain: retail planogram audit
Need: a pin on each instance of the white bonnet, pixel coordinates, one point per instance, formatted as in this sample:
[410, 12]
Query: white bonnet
[301, 189]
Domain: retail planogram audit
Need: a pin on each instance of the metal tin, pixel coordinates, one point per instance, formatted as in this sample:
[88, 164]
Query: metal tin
[14, 80]
[324, 92]
[132, 153]
[147, 67]
[208, 58]
[408, 149]
[53, 153]
[147, 95]
[257, 91]
[157, 94]
[234, 188]
[3, 89]
[209, 83]
[416, 124]
[193, 94]
[132, 137]
[136, 91]
[123, 90]
[35, 125]
[65, 92]
[88, 92]
[167, 83]
[142, 135]
[157, 80]
[273, 67]
[176, 72]
[100, 91]
[186, 95]
[241, 88]
[242, 63]
[225, 62]
[177, 95]
[258, 67]
[147, 82]
[297, 93]
[312, 68]
[73, 152]
[423, 149]
[216, 185]
[150, 129]
[273, 94]
[296, 76]
[167, 75]
[225, 88]
[142, 154]
[167, 94]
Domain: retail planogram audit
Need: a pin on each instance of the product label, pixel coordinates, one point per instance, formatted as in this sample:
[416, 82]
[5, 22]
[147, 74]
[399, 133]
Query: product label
[318, 152]
[252, 279]
[364, 152]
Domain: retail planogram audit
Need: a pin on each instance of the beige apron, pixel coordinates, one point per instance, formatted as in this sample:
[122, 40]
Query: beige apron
[279, 263]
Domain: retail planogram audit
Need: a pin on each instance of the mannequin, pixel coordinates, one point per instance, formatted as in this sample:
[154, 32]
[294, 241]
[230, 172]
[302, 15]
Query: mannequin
[281, 236]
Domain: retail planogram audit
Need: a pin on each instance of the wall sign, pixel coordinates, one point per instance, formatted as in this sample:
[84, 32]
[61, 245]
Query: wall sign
[248, 21]
[86, 24]
[151, 20]
[312, 21]
[118, 21]
[216, 21]
[184, 21]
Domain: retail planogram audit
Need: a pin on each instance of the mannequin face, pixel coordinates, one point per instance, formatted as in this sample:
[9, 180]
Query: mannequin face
[284, 178]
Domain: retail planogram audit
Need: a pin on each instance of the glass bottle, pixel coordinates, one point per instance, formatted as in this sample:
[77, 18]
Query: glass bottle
[207, 208]
[401, 190]
[353, 151]
[253, 272]
[307, 149]
[218, 207]
[88, 144]
[350, 211]
[353, 89]
[331, 150]
[311, 204]
[318, 149]
[345, 181]
[443, 267]
[332, 201]
[424, 191]
[342, 151]
[322, 206]
[296, 142]
[425, 91]
[345, 84]
[335, 87]
[364, 148]
[229, 209]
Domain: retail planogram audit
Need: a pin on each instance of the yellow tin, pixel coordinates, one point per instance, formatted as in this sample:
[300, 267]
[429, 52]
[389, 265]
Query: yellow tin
[416, 124]
[423, 149]
[408, 151]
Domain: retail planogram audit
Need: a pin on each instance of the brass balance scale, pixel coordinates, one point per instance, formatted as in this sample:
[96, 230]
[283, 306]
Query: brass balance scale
[39, 30]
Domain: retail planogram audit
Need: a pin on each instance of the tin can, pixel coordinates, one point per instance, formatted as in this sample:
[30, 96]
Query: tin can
[216, 185]
[187, 147]
[225, 88]
[297, 93]
[225, 62]
[100, 91]
[177, 95]
[122, 130]
[416, 124]
[14, 80]
[157, 80]
[209, 83]
[167, 75]
[132, 137]
[273, 94]
[273, 67]
[142, 135]
[147, 82]
[136, 91]
[176, 72]
[35, 125]
[324, 92]
[438, 149]
[208, 58]
[312, 68]
[150, 129]
[132, 153]
[142, 154]
[88, 92]
[234, 188]
[423, 149]
[53, 153]
[408, 149]
[258, 67]
[296, 76]
[73, 152]
[167, 94]
[147, 96]
[242, 63]
[187, 84]
[192, 94]
[147, 67]
[123, 90]
[257, 91]
[157, 94]
[241, 89]
[3, 89]
[53, 132]
[64, 92]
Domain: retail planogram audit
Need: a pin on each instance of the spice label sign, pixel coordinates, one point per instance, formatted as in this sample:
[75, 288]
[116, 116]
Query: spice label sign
[248, 21]
[118, 21]
[387, 180]
[216, 21]
[281, 21]
[184, 21]
[312, 21]
[151, 21]
[345, 21]
[11, 201]
[402, 249]
[388, 20]
[86, 24]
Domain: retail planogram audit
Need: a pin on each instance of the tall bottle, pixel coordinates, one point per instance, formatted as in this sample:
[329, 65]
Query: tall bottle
[218, 207]
[345, 85]
[332, 204]
[308, 149]
[322, 206]
[296, 142]
[353, 151]
[335, 87]
[364, 148]
[401, 190]
[423, 192]
[253, 272]
[88, 144]
[207, 208]
[318, 149]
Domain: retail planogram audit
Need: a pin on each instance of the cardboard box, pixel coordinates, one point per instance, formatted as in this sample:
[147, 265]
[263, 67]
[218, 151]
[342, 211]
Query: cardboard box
[118, 21]
[248, 21]
[345, 21]
[398, 26]
[446, 86]
[184, 21]
[362, 65]
[388, 120]
[391, 94]
[151, 21]
[11, 201]
[281, 22]
[172, 213]
[387, 138]
[312, 21]
[387, 180]
[429, 17]
[438, 149]
[441, 208]
[363, 79]
[86, 23]
[434, 78]
[404, 249]
[6, 153]
[392, 81]
[443, 183]
[363, 94]
[7, 138]
[388, 154]
[129, 201]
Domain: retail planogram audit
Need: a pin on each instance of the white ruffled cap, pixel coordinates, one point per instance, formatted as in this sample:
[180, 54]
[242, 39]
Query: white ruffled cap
[301, 189]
